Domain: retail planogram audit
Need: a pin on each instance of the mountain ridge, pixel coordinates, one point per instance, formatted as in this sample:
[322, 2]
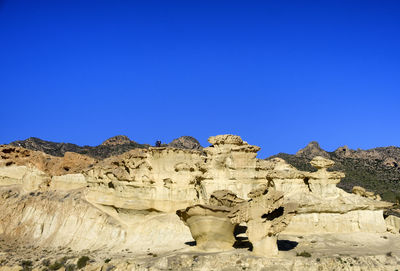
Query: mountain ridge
[375, 169]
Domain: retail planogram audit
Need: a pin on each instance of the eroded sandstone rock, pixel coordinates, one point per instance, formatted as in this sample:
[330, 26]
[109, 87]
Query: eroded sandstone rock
[210, 226]
[361, 191]
[264, 214]
[149, 185]
[393, 224]
[167, 179]
[51, 165]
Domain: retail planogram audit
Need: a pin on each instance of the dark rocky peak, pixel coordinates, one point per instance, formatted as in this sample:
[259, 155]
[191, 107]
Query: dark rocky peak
[186, 142]
[311, 150]
[117, 140]
[343, 151]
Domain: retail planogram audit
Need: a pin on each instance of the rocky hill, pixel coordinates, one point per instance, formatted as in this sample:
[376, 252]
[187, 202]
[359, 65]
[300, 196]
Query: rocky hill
[113, 146]
[186, 142]
[376, 169]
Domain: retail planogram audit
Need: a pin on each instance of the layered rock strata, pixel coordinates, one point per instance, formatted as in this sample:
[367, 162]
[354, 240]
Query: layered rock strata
[167, 179]
[149, 185]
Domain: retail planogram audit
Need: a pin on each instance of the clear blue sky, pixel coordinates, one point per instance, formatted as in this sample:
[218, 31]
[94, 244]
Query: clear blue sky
[277, 73]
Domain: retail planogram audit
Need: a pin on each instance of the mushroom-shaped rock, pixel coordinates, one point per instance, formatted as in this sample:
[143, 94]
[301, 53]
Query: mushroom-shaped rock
[225, 139]
[210, 226]
[320, 162]
[323, 181]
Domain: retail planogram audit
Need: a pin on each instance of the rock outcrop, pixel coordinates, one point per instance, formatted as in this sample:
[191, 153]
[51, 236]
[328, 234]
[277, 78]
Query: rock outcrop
[53, 166]
[36, 170]
[167, 179]
[265, 215]
[311, 150]
[117, 140]
[185, 142]
[393, 224]
[212, 226]
[361, 191]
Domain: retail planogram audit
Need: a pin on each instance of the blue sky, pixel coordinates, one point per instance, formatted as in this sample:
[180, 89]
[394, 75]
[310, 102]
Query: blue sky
[278, 73]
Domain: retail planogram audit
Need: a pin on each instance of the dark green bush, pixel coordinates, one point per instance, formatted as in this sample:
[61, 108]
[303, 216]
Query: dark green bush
[304, 254]
[82, 262]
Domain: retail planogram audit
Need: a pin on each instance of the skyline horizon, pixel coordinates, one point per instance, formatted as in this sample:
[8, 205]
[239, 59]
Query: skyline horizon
[207, 144]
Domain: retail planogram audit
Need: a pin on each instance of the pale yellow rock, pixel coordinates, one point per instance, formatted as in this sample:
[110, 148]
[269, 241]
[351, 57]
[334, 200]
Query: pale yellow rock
[65, 219]
[361, 191]
[163, 179]
[68, 182]
[266, 216]
[393, 224]
[167, 179]
[29, 178]
[210, 226]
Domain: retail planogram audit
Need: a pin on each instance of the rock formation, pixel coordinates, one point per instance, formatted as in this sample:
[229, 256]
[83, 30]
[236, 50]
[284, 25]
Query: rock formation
[311, 150]
[185, 142]
[130, 200]
[117, 140]
[361, 191]
[35, 170]
[265, 216]
[212, 226]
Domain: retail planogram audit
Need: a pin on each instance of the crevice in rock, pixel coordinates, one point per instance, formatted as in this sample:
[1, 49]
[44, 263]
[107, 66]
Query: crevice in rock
[306, 181]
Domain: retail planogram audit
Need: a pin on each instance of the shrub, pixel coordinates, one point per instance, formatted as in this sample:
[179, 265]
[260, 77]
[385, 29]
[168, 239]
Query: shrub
[82, 262]
[304, 254]
[55, 266]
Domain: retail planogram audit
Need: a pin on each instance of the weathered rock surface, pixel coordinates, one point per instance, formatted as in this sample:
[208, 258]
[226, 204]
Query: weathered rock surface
[51, 165]
[210, 226]
[167, 179]
[185, 142]
[117, 140]
[265, 216]
[311, 150]
[66, 219]
[393, 224]
[361, 191]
